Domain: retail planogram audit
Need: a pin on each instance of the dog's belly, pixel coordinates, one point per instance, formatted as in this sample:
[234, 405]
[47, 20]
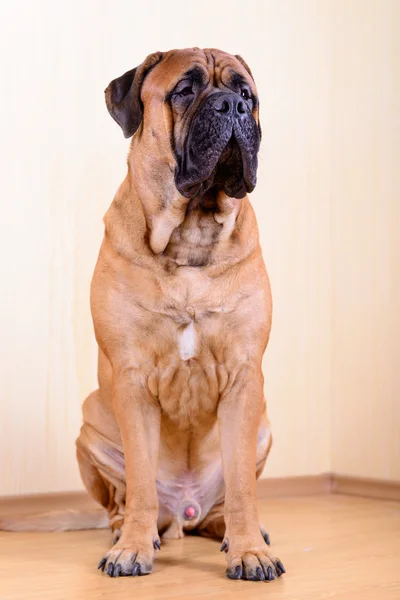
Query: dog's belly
[189, 473]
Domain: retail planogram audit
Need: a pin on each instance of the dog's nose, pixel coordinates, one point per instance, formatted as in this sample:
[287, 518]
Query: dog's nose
[229, 104]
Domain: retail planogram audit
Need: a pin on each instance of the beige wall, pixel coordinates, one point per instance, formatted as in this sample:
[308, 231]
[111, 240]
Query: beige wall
[326, 201]
[366, 242]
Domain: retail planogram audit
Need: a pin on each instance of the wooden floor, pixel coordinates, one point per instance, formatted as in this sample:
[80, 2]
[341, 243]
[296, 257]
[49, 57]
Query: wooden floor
[332, 546]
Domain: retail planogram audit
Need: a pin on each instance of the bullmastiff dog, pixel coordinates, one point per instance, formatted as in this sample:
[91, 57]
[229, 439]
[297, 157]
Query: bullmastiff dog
[177, 432]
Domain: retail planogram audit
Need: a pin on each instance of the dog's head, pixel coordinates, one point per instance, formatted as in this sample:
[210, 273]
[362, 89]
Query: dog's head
[196, 110]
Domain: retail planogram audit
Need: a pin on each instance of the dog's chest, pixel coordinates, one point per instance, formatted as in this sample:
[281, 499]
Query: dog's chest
[192, 362]
[190, 377]
[188, 342]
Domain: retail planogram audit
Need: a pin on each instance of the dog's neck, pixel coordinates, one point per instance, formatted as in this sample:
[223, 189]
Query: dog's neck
[155, 220]
[207, 223]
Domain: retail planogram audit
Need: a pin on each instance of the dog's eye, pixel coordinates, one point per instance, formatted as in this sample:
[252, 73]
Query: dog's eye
[245, 94]
[186, 91]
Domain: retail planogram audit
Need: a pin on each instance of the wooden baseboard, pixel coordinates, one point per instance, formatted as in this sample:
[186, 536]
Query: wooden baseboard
[329, 483]
[37, 503]
[305, 485]
[368, 488]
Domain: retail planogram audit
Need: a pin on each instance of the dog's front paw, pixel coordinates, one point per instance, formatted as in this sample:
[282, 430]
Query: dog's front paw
[129, 561]
[250, 561]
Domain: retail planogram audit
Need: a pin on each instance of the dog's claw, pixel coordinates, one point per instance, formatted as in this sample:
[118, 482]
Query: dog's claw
[157, 544]
[280, 569]
[116, 536]
[224, 547]
[236, 573]
[260, 574]
[266, 537]
[136, 570]
[270, 575]
[101, 564]
[117, 571]
[110, 570]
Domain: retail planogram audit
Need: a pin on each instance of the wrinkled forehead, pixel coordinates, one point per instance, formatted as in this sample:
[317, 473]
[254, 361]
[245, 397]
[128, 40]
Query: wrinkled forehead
[210, 64]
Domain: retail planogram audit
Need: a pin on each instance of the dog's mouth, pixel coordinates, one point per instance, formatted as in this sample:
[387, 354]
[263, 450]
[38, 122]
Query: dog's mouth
[229, 174]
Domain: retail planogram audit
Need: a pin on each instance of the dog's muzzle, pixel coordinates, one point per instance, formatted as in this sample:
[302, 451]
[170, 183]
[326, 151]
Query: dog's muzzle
[221, 148]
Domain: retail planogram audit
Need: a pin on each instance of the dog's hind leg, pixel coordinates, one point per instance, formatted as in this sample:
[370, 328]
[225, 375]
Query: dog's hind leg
[103, 474]
[213, 526]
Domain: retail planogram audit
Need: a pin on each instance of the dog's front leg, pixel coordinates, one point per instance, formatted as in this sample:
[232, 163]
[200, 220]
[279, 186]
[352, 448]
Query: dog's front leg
[138, 416]
[239, 415]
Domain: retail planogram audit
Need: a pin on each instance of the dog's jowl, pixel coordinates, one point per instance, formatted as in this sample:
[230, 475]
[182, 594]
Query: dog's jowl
[176, 434]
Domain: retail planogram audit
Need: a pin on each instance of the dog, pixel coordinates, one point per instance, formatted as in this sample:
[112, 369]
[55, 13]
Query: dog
[177, 432]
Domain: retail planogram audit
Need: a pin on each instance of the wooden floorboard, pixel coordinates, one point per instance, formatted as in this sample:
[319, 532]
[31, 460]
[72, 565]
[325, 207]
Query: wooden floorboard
[333, 547]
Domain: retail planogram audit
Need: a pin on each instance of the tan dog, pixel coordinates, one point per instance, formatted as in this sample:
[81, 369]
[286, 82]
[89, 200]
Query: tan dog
[177, 432]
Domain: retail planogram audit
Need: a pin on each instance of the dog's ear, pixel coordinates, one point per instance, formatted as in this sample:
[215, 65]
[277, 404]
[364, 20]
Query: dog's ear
[123, 95]
[246, 66]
